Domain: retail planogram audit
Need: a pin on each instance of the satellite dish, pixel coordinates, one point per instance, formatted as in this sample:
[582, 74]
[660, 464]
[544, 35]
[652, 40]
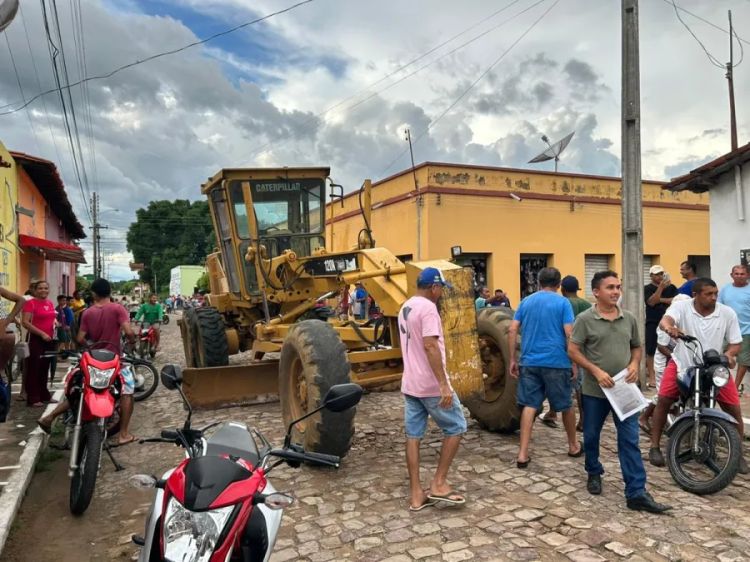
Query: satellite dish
[8, 9]
[554, 151]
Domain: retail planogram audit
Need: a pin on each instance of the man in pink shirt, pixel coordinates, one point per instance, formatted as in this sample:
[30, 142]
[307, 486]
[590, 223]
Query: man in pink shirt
[427, 390]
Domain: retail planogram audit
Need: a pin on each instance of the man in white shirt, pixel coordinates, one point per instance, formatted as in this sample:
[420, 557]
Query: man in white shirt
[713, 324]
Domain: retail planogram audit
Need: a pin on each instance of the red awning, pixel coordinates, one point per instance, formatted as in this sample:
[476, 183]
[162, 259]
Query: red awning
[53, 251]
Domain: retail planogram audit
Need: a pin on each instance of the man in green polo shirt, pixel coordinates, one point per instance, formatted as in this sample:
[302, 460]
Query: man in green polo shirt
[152, 314]
[605, 341]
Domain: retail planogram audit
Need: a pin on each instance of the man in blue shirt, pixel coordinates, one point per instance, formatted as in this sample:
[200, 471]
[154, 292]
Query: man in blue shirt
[687, 270]
[545, 320]
[736, 295]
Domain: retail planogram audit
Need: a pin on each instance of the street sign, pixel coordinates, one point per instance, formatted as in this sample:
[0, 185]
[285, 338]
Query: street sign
[136, 266]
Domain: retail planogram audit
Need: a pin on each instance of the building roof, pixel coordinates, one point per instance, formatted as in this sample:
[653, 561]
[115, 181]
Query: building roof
[706, 176]
[47, 180]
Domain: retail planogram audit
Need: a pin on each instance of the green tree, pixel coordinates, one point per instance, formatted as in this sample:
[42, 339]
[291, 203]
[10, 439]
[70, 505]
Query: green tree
[167, 234]
[82, 283]
[203, 283]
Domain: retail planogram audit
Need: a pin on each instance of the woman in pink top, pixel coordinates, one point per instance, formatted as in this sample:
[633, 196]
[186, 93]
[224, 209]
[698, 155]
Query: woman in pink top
[39, 319]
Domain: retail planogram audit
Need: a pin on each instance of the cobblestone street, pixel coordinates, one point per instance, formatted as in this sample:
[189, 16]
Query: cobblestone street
[360, 511]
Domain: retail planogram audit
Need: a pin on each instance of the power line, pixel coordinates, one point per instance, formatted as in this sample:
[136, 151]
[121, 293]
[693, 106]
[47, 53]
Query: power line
[711, 58]
[704, 20]
[455, 102]
[158, 55]
[39, 83]
[338, 104]
[20, 89]
[52, 49]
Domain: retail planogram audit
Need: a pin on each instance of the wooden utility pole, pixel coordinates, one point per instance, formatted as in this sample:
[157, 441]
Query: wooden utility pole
[95, 227]
[730, 80]
[632, 219]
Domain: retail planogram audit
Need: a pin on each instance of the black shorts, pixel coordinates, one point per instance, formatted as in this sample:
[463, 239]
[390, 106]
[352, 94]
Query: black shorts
[651, 338]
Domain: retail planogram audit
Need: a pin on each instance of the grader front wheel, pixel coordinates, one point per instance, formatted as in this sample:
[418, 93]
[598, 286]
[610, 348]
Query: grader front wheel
[498, 410]
[313, 359]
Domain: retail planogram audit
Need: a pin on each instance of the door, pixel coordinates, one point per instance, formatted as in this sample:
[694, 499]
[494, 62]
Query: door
[478, 263]
[594, 263]
[531, 265]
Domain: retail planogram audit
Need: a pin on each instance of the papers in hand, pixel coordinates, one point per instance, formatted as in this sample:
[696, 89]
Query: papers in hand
[626, 398]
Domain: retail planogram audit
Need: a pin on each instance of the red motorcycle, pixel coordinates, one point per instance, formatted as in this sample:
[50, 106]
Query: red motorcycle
[217, 505]
[147, 342]
[93, 386]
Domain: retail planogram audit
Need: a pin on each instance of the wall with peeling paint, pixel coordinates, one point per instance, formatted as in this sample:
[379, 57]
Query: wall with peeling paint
[564, 216]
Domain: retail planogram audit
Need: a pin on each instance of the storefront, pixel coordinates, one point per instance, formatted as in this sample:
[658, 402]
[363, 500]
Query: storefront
[509, 222]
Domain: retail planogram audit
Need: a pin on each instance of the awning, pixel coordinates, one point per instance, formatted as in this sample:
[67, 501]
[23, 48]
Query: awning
[51, 250]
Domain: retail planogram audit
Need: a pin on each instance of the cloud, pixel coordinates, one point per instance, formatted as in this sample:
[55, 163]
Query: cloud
[687, 164]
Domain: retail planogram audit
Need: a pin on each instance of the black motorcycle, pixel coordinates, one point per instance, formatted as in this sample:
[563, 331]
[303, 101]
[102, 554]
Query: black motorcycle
[704, 449]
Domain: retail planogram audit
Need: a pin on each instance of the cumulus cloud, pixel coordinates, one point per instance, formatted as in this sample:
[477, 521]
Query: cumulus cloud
[258, 97]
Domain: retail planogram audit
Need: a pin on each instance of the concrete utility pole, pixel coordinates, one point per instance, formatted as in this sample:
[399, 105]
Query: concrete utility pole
[97, 239]
[730, 80]
[632, 219]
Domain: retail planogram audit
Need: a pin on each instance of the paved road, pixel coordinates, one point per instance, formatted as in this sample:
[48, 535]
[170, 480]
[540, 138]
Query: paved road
[360, 511]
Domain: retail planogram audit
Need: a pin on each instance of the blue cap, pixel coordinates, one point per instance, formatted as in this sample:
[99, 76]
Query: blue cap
[432, 276]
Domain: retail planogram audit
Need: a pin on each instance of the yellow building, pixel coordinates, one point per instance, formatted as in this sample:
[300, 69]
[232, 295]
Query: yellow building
[510, 222]
[8, 226]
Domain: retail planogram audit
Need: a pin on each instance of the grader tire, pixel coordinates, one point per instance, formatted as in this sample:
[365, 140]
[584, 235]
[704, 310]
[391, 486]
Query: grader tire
[187, 332]
[313, 359]
[498, 410]
[211, 346]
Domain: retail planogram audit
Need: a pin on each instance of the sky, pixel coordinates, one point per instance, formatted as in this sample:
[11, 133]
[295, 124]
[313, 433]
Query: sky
[324, 84]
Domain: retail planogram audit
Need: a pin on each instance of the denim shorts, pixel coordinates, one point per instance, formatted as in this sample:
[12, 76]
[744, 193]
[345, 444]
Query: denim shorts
[416, 410]
[128, 380]
[537, 383]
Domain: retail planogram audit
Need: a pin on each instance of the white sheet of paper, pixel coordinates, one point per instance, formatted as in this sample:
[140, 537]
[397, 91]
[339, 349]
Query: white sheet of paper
[626, 398]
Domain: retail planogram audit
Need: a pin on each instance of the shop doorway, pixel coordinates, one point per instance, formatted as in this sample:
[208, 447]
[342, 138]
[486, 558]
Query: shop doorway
[531, 265]
[479, 264]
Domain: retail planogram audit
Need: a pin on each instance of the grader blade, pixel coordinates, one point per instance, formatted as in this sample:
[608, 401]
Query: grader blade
[233, 385]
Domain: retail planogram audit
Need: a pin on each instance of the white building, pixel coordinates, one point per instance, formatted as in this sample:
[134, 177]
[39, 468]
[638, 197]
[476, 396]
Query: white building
[727, 179]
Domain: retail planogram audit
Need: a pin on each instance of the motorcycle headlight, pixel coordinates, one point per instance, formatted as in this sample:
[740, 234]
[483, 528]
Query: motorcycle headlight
[99, 378]
[720, 375]
[191, 536]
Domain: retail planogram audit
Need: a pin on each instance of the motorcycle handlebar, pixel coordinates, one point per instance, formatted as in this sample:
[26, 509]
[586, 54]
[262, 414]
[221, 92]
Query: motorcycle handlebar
[310, 458]
[170, 434]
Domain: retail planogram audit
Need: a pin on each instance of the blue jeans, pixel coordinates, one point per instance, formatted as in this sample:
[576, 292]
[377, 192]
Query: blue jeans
[536, 383]
[416, 410]
[595, 412]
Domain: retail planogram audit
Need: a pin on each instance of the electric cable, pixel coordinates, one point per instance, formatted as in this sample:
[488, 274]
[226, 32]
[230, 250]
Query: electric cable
[711, 58]
[455, 102]
[704, 20]
[20, 89]
[158, 55]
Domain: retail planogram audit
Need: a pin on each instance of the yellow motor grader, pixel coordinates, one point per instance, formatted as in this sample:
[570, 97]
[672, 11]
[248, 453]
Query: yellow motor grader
[270, 279]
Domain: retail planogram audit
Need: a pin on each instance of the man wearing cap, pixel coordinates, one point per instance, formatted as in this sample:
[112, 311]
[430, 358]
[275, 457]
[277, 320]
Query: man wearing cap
[658, 295]
[427, 390]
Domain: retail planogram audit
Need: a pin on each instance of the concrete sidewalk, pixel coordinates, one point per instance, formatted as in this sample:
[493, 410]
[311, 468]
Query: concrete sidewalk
[21, 444]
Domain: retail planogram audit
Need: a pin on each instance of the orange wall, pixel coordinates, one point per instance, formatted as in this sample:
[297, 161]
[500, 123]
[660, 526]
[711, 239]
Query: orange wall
[30, 265]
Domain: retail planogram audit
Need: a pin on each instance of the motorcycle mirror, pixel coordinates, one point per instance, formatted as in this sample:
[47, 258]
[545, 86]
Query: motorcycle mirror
[341, 397]
[171, 376]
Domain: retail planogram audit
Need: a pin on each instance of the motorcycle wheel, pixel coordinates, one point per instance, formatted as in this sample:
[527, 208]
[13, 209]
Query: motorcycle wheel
[165, 320]
[146, 379]
[718, 461]
[84, 478]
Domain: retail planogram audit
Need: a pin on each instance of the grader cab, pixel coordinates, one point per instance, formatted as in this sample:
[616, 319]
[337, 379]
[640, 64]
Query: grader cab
[269, 279]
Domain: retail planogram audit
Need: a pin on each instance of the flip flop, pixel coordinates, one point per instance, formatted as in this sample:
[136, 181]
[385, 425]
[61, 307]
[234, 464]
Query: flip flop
[548, 422]
[579, 453]
[645, 428]
[46, 428]
[426, 503]
[451, 498]
[523, 464]
[123, 443]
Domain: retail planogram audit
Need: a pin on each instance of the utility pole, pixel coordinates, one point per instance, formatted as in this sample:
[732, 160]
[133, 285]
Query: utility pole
[96, 227]
[730, 80]
[418, 200]
[632, 220]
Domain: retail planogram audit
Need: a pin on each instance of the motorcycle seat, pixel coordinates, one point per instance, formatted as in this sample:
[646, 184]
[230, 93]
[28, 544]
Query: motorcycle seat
[233, 439]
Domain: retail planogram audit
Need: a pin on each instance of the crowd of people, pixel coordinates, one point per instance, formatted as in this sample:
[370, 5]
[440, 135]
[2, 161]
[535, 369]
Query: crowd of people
[573, 349]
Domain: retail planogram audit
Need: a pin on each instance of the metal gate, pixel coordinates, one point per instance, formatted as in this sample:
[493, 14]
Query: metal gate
[594, 263]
